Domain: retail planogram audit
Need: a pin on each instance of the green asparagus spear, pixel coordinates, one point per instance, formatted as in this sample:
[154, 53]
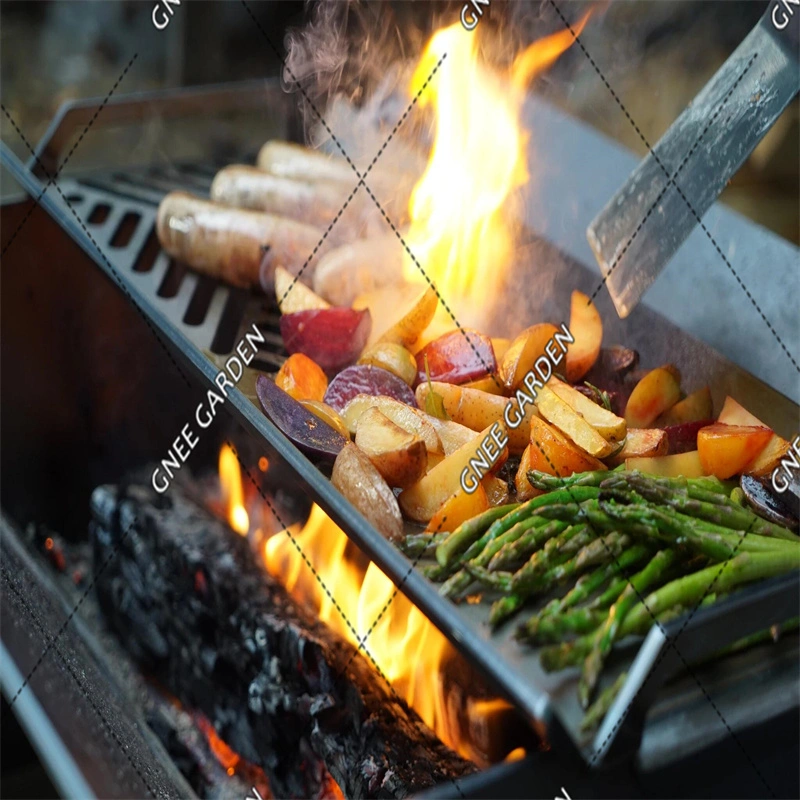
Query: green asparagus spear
[549, 483]
[542, 560]
[416, 545]
[466, 533]
[598, 709]
[712, 540]
[724, 577]
[727, 515]
[526, 584]
[607, 634]
[528, 545]
[460, 581]
[549, 628]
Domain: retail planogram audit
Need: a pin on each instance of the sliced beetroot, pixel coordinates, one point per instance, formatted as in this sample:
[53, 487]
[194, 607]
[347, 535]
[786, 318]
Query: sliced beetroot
[305, 429]
[683, 438]
[332, 337]
[366, 379]
[457, 357]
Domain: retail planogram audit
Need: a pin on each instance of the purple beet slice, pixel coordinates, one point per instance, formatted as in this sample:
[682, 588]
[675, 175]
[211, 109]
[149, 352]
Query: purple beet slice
[366, 379]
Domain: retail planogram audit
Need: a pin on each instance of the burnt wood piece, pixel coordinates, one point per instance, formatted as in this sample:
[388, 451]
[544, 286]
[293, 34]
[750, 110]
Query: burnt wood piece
[191, 603]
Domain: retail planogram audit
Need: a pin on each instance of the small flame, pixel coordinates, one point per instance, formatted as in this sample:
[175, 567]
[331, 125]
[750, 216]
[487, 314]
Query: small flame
[370, 613]
[460, 232]
[230, 477]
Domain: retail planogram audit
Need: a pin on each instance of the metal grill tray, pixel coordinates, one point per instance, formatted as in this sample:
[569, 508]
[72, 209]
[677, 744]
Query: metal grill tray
[196, 313]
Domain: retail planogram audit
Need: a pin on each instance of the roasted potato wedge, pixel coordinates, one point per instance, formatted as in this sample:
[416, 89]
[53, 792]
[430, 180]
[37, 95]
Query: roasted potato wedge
[292, 295]
[693, 408]
[422, 500]
[399, 456]
[409, 419]
[765, 462]
[522, 353]
[727, 450]
[555, 453]
[359, 481]
[607, 424]
[685, 465]
[393, 358]
[641, 443]
[570, 422]
[400, 313]
[655, 393]
[302, 378]
[328, 415]
[496, 490]
[451, 434]
[478, 410]
[586, 328]
[523, 486]
[458, 508]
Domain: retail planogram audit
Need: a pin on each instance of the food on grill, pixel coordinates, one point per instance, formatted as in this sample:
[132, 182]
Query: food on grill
[693, 408]
[672, 537]
[328, 415]
[422, 500]
[521, 354]
[400, 457]
[301, 378]
[642, 443]
[290, 160]
[573, 423]
[405, 312]
[765, 462]
[686, 465]
[606, 423]
[293, 295]
[655, 393]
[683, 438]
[360, 482]
[726, 450]
[332, 337]
[586, 328]
[392, 357]
[551, 450]
[456, 357]
[452, 434]
[409, 419]
[459, 508]
[366, 379]
[297, 423]
[477, 410]
[314, 202]
[231, 243]
[365, 265]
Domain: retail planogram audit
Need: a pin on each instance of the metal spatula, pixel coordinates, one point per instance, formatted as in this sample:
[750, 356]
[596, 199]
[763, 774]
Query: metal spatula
[648, 219]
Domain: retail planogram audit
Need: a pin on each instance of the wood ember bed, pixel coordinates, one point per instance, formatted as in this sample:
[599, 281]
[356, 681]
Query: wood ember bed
[191, 604]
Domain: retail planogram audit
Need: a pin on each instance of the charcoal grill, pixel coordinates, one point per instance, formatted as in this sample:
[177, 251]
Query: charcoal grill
[191, 313]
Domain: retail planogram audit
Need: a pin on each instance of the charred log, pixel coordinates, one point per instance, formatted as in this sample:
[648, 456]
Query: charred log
[191, 603]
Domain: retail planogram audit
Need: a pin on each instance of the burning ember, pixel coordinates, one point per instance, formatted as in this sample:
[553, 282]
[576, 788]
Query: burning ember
[461, 230]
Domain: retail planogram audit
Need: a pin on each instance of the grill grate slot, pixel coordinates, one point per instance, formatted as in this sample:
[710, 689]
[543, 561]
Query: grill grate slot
[125, 230]
[99, 214]
[201, 301]
[172, 279]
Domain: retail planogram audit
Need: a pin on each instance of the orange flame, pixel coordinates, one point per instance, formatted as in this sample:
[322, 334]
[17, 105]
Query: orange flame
[230, 478]
[460, 231]
[368, 611]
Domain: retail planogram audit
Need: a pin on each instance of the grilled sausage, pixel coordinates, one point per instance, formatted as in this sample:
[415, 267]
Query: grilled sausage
[228, 243]
[347, 271]
[289, 160]
[315, 203]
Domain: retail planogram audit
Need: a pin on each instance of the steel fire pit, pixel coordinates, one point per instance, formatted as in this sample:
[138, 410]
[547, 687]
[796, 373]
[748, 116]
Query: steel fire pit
[190, 314]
